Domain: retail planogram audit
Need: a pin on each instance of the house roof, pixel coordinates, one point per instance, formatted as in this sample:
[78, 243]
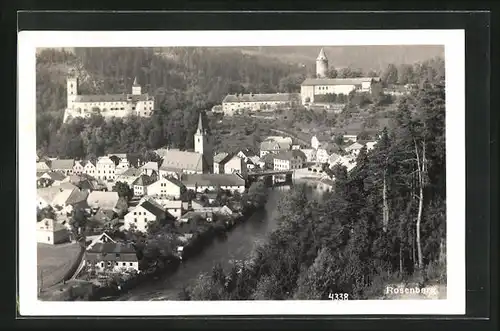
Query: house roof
[338, 81]
[142, 180]
[42, 165]
[153, 209]
[334, 158]
[112, 97]
[104, 215]
[119, 155]
[111, 251]
[213, 179]
[223, 157]
[103, 200]
[131, 172]
[62, 197]
[175, 160]
[322, 55]
[174, 181]
[268, 158]
[269, 97]
[56, 175]
[48, 193]
[151, 165]
[354, 146]
[66, 164]
[247, 152]
[272, 145]
[288, 155]
[77, 196]
[86, 184]
[154, 201]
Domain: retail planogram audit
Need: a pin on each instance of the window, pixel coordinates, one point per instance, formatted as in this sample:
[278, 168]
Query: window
[135, 213]
[109, 264]
[48, 238]
[135, 220]
[124, 264]
[102, 264]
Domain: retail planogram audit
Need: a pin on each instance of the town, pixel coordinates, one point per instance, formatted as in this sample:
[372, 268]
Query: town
[102, 211]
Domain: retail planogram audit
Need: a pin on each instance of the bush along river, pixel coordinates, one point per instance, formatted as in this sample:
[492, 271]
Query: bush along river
[237, 245]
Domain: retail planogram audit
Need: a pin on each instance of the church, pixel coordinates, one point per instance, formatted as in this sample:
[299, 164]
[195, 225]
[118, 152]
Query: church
[198, 161]
[321, 85]
[108, 105]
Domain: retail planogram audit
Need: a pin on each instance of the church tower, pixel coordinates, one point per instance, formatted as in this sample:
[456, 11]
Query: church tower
[321, 64]
[71, 89]
[136, 88]
[202, 143]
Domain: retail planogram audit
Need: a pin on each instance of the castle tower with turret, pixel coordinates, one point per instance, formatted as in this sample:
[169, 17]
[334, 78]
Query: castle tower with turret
[202, 144]
[321, 64]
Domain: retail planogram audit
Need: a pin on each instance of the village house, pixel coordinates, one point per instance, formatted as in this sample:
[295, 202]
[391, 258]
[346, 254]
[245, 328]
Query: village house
[177, 161]
[42, 166]
[220, 160]
[52, 178]
[46, 195]
[105, 169]
[103, 216]
[166, 187]
[173, 207]
[198, 204]
[78, 167]
[101, 239]
[122, 166]
[275, 145]
[140, 185]
[289, 160]
[112, 257]
[69, 199]
[334, 159]
[354, 149]
[129, 176]
[89, 168]
[106, 201]
[210, 182]
[51, 232]
[142, 215]
[64, 165]
[236, 165]
[324, 151]
[246, 154]
[149, 168]
[309, 153]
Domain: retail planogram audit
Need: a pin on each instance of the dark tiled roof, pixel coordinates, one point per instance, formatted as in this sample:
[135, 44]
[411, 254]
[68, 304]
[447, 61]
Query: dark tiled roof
[213, 179]
[110, 251]
[143, 180]
[77, 196]
[159, 213]
[290, 154]
[222, 157]
[56, 175]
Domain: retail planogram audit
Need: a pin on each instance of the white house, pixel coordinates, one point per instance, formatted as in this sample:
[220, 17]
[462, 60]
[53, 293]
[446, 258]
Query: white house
[289, 160]
[311, 88]
[255, 102]
[310, 154]
[90, 168]
[173, 207]
[129, 176]
[220, 160]
[274, 145]
[166, 187]
[236, 165]
[51, 232]
[111, 256]
[142, 215]
[122, 166]
[105, 169]
[350, 137]
[140, 185]
[42, 167]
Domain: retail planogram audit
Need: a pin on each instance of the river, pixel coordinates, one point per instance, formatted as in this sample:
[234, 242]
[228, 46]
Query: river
[238, 244]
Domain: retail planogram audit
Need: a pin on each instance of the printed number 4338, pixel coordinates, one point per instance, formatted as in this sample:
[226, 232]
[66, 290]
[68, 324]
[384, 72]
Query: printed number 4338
[338, 296]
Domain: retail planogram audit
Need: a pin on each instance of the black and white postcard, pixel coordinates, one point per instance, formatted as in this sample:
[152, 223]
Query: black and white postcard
[241, 173]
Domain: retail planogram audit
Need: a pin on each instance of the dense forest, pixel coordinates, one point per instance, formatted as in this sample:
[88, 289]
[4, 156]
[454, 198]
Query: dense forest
[385, 220]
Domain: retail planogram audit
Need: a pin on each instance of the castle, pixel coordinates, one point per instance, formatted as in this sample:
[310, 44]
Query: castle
[313, 88]
[108, 105]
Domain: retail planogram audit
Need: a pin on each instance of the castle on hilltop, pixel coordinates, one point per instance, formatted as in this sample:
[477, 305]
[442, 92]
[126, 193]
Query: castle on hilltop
[108, 105]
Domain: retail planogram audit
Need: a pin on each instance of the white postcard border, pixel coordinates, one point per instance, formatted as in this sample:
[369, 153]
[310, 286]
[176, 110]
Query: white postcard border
[454, 43]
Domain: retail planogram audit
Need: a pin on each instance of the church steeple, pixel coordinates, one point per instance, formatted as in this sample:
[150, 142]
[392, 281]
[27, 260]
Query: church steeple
[321, 64]
[136, 88]
[135, 81]
[200, 125]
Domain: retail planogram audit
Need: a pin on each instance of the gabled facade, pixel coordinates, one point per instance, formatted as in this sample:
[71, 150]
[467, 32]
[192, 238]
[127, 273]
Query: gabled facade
[165, 187]
[105, 169]
[142, 215]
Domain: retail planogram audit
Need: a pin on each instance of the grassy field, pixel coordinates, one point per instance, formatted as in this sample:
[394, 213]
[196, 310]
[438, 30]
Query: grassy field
[54, 262]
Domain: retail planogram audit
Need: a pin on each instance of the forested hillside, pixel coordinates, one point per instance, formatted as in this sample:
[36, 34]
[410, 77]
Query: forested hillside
[384, 222]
